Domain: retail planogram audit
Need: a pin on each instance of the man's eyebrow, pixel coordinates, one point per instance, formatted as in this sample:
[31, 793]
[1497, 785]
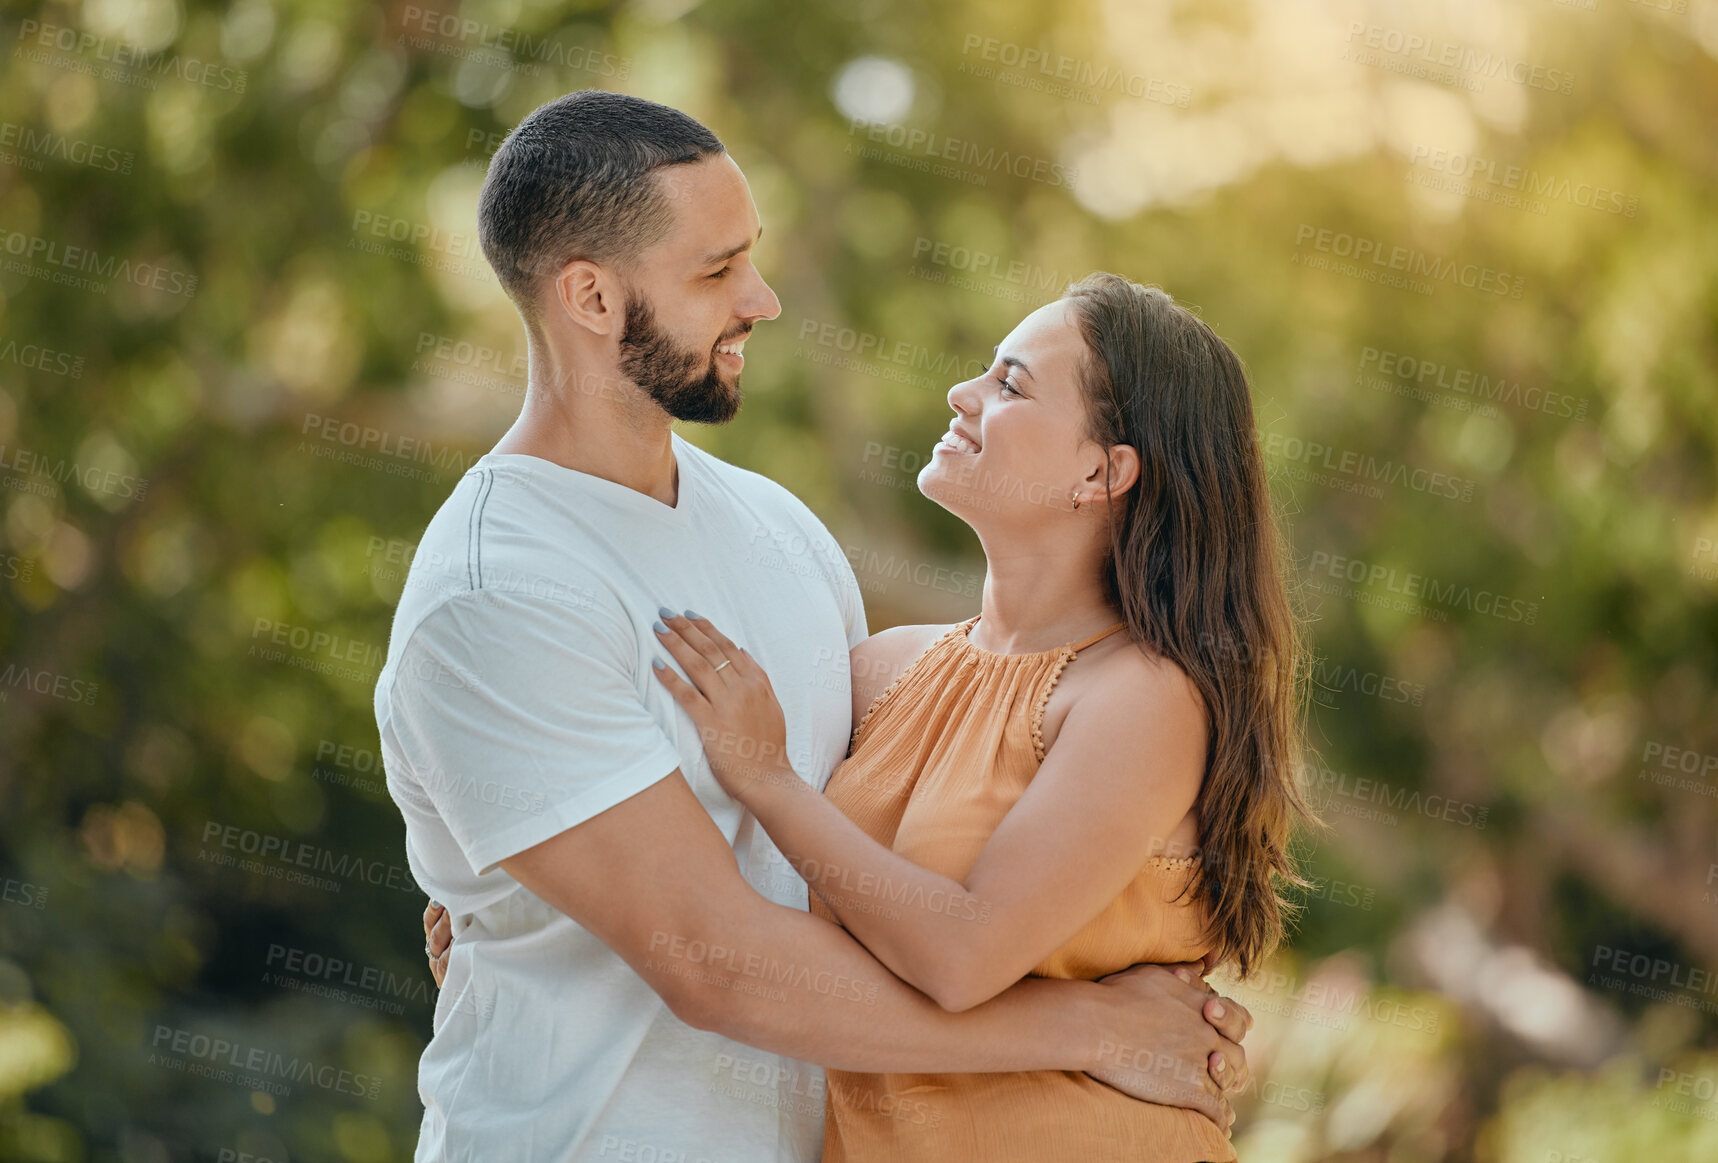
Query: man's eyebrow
[1010, 361]
[724, 256]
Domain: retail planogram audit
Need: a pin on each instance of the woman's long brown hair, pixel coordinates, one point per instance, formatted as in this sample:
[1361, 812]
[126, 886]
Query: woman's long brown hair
[1198, 568]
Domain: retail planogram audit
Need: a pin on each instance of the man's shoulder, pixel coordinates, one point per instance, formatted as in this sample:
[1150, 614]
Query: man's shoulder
[754, 487]
[496, 534]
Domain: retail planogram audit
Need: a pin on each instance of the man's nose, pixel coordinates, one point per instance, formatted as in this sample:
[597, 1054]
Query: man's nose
[760, 301]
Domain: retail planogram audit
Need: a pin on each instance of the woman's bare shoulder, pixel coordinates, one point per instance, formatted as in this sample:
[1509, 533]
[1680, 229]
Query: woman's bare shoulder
[881, 658]
[1129, 676]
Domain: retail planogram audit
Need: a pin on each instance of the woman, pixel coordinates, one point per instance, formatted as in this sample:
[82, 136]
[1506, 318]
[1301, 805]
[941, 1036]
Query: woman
[1094, 771]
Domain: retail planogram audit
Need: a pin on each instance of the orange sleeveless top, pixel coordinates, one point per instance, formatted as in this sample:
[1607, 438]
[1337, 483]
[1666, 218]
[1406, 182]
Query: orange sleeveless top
[936, 763]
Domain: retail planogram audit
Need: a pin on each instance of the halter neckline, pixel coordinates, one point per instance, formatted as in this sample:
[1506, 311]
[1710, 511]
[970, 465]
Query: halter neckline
[964, 633]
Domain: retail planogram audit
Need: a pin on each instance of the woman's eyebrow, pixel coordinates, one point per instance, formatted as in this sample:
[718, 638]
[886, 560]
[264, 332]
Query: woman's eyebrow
[1010, 361]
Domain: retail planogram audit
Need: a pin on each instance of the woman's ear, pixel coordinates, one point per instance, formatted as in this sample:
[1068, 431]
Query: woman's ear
[1123, 470]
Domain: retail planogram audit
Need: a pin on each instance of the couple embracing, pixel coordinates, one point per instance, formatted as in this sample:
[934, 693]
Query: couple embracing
[721, 877]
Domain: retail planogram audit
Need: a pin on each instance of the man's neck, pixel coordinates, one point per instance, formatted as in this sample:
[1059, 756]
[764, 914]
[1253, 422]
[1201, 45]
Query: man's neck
[603, 436]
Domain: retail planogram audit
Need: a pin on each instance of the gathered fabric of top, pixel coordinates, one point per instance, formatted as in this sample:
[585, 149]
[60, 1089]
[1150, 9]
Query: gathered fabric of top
[937, 762]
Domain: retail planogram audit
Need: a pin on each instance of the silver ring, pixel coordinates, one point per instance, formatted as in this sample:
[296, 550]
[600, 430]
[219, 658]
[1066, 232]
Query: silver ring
[725, 662]
[428, 952]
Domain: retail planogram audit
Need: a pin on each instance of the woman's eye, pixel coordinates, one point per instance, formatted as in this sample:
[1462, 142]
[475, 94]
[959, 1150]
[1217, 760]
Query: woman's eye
[1008, 386]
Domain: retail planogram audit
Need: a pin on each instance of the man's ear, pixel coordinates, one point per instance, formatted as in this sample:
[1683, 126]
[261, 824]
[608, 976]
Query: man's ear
[589, 296]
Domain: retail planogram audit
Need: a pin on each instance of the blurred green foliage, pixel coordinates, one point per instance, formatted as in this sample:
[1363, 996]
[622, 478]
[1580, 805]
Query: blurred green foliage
[272, 209]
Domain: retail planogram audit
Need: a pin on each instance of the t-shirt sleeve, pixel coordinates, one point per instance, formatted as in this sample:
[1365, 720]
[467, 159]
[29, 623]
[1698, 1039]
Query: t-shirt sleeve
[852, 606]
[520, 718]
[846, 585]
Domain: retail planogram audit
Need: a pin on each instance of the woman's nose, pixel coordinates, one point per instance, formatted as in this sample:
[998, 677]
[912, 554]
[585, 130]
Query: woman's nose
[963, 397]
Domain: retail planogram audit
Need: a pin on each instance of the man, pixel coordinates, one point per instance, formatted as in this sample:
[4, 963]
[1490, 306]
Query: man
[635, 974]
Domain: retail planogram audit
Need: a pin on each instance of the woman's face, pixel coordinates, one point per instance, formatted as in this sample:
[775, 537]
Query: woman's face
[1017, 443]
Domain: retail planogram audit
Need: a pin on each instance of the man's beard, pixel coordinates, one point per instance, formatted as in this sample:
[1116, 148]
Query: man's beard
[686, 383]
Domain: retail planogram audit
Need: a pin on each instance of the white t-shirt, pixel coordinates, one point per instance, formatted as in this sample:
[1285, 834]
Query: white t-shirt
[518, 701]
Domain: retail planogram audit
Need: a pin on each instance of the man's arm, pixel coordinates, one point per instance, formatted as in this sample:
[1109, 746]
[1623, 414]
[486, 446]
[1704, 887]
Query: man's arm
[653, 878]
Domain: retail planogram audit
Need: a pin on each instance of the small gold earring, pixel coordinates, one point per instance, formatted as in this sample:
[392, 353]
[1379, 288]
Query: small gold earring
[1076, 502]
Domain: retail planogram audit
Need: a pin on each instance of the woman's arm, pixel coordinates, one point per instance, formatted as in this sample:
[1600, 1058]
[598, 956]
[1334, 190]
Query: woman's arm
[1124, 770]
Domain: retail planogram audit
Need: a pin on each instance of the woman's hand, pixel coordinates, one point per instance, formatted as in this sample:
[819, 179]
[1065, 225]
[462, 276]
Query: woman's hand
[731, 702]
[438, 941]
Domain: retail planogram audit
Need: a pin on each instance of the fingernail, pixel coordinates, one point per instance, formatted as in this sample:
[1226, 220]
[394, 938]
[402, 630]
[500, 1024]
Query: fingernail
[1221, 1065]
[693, 614]
[1218, 1011]
[1184, 975]
[666, 613]
[659, 627]
[658, 664]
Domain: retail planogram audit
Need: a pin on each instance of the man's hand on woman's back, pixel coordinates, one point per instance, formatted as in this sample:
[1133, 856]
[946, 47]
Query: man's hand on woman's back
[438, 940]
[1180, 1042]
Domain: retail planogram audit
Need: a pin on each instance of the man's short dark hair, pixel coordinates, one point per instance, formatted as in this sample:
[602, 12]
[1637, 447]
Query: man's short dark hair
[573, 181]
